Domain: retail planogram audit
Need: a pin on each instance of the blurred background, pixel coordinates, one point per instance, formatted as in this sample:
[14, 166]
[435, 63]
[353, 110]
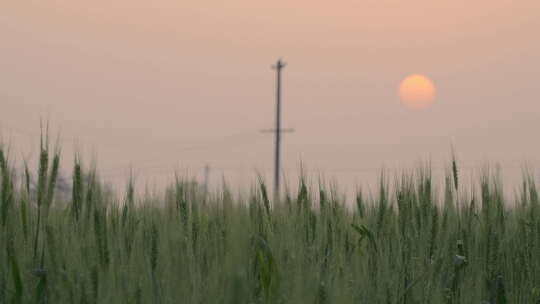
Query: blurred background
[154, 87]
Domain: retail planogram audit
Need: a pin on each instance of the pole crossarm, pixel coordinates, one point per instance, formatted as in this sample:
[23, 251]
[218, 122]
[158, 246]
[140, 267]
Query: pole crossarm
[287, 130]
[279, 65]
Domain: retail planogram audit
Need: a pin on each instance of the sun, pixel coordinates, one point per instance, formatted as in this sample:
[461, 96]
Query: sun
[417, 91]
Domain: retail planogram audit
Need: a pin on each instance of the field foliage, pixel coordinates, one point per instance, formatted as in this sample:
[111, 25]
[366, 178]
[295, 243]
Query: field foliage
[406, 243]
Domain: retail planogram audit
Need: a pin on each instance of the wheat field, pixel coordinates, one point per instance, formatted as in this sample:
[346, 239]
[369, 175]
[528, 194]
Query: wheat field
[407, 243]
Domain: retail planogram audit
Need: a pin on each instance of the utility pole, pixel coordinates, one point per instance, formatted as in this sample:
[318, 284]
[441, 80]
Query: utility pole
[278, 130]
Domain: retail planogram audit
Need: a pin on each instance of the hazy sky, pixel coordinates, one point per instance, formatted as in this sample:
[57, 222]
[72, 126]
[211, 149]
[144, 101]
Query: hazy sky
[163, 84]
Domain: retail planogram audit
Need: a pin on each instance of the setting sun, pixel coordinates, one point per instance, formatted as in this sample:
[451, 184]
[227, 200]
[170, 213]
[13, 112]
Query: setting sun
[417, 91]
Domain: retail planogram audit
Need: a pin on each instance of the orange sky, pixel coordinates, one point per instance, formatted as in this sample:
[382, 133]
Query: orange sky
[162, 83]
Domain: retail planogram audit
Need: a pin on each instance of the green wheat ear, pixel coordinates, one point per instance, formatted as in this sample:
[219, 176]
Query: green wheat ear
[77, 190]
[264, 194]
[455, 170]
[360, 204]
[7, 188]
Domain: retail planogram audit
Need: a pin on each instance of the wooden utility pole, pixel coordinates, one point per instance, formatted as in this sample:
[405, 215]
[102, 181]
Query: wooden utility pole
[278, 130]
[279, 65]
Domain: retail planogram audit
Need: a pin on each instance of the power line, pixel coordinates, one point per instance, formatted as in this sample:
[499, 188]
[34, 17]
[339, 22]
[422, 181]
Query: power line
[222, 144]
[170, 170]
